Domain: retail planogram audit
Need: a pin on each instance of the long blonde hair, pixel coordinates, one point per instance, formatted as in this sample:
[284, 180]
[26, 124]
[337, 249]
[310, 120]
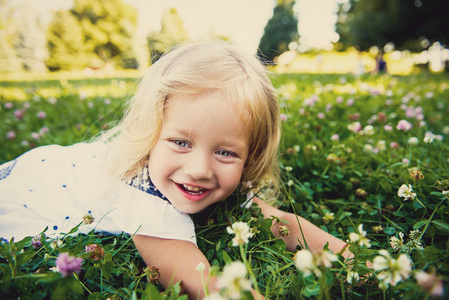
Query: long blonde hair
[191, 70]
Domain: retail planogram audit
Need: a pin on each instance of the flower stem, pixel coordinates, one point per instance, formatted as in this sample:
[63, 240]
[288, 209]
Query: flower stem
[250, 270]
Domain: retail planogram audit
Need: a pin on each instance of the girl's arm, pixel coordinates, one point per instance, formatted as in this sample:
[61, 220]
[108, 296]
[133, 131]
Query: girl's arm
[313, 236]
[176, 261]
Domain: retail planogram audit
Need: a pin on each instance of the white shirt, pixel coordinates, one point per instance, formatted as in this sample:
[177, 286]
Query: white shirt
[56, 186]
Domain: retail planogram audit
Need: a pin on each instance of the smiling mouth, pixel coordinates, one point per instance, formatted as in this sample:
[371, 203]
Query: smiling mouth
[194, 190]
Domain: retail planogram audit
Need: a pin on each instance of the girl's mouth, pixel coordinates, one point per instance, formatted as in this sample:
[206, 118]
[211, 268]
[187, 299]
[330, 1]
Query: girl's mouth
[193, 193]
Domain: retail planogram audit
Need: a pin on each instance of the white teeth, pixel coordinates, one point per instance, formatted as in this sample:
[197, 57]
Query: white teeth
[192, 188]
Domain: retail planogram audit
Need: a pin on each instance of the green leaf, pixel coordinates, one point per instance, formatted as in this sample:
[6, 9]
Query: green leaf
[420, 224]
[151, 292]
[107, 268]
[108, 257]
[311, 290]
[390, 230]
[441, 226]
[22, 258]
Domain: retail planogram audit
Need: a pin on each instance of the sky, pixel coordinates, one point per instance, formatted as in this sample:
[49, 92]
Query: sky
[242, 20]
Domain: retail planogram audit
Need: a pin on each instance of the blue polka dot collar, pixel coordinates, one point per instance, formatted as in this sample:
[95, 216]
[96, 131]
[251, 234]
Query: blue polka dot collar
[143, 182]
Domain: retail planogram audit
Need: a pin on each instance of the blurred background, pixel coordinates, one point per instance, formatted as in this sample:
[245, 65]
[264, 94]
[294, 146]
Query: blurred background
[95, 37]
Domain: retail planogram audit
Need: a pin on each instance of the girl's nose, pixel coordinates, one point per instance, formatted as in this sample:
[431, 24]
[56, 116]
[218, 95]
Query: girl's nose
[198, 167]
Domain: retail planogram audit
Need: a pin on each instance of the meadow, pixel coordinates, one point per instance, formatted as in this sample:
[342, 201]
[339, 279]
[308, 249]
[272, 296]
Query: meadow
[364, 158]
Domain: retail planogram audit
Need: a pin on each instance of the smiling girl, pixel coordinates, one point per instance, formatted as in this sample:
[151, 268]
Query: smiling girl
[204, 121]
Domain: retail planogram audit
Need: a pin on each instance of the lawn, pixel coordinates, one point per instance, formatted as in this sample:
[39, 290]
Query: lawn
[364, 158]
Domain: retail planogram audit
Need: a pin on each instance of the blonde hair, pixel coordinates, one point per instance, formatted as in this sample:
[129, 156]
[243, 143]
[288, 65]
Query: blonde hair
[193, 69]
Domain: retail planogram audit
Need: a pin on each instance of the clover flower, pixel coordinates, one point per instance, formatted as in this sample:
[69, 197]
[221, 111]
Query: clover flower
[355, 127]
[391, 270]
[284, 231]
[242, 233]
[96, 251]
[36, 241]
[67, 264]
[413, 141]
[11, 135]
[416, 174]
[328, 217]
[56, 244]
[152, 273]
[308, 262]
[359, 238]
[41, 115]
[368, 130]
[430, 283]
[352, 277]
[233, 280]
[88, 219]
[200, 267]
[397, 243]
[404, 125]
[406, 191]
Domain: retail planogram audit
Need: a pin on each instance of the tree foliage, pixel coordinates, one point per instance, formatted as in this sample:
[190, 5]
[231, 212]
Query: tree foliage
[9, 62]
[108, 28]
[65, 42]
[407, 24]
[172, 33]
[279, 32]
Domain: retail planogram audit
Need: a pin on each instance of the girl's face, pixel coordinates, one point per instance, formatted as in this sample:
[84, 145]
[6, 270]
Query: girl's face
[199, 157]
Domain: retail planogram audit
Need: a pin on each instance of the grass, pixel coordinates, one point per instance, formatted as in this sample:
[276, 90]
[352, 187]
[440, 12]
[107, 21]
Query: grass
[333, 176]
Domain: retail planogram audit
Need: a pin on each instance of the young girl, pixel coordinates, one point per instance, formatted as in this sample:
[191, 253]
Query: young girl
[203, 123]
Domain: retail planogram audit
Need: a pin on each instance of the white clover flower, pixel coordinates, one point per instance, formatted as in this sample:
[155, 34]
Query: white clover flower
[242, 233]
[396, 243]
[200, 267]
[413, 141]
[353, 277]
[368, 130]
[406, 191]
[328, 217]
[233, 280]
[381, 145]
[304, 262]
[308, 263]
[392, 270]
[215, 296]
[360, 237]
[56, 244]
[355, 127]
[325, 258]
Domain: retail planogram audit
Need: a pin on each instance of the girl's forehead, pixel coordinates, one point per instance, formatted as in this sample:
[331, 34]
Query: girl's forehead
[206, 108]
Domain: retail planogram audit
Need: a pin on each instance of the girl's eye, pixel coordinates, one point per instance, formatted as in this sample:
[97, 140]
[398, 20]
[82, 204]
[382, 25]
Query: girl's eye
[180, 143]
[224, 153]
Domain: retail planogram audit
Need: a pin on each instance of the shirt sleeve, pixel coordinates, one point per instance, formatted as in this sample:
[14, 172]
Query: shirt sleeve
[140, 213]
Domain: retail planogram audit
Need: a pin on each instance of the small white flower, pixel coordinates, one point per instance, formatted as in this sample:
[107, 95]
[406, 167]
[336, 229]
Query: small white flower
[406, 191]
[242, 233]
[233, 280]
[413, 141]
[200, 267]
[392, 270]
[360, 237]
[56, 244]
[353, 277]
[304, 262]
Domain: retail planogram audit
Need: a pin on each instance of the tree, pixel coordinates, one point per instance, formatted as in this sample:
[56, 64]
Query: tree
[9, 62]
[108, 28]
[30, 42]
[366, 23]
[280, 31]
[172, 33]
[65, 42]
